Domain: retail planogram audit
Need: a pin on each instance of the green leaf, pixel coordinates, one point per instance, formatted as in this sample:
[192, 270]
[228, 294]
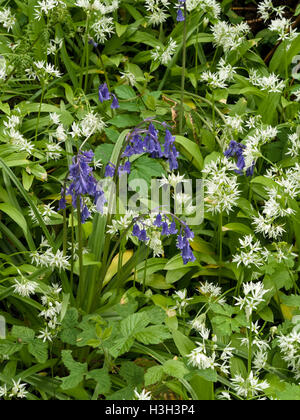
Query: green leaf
[191, 151]
[102, 379]
[155, 334]
[175, 368]
[133, 374]
[154, 375]
[39, 350]
[77, 371]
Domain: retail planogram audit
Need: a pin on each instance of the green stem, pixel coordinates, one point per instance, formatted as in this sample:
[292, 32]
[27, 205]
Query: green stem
[40, 110]
[183, 71]
[220, 244]
[81, 286]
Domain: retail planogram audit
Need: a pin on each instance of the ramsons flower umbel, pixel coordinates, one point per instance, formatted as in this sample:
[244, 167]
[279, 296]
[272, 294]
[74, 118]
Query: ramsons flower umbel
[83, 183]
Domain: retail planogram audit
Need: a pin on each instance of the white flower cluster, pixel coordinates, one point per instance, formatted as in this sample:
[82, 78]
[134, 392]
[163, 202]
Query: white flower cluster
[42, 71]
[221, 186]
[45, 7]
[255, 141]
[164, 55]
[283, 27]
[254, 295]
[98, 6]
[266, 9]
[219, 79]
[288, 180]
[46, 211]
[7, 19]
[158, 11]
[207, 354]
[182, 301]
[91, 124]
[53, 306]
[228, 36]
[251, 253]
[294, 145]
[275, 207]
[17, 390]
[24, 287]
[211, 7]
[47, 258]
[249, 387]
[16, 138]
[270, 84]
[212, 292]
[290, 349]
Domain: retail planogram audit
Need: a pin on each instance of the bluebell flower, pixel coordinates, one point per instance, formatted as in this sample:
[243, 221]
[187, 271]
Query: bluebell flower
[82, 183]
[93, 43]
[104, 94]
[110, 170]
[237, 150]
[181, 10]
[158, 221]
[141, 234]
[125, 168]
[115, 103]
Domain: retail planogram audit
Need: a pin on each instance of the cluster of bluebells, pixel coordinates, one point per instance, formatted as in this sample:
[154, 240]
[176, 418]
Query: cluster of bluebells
[105, 95]
[169, 228]
[237, 150]
[142, 141]
[83, 183]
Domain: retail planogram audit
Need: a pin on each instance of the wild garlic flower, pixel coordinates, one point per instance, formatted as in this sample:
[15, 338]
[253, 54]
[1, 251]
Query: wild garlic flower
[229, 37]
[249, 387]
[164, 54]
[42, 70]
[24, 287]
[17, 139]
[220, 79]
[289, 346]
[254, 296]
[46, 211]
[267, 227]
[54, 46]
[284, 29]
[211, 291]
[91, 124]
[182, 301]
[211, 7]
[266, 9]
[50, 260]
[294, 145]
[45, 7]
[103, 29]
[18, 390]
[251, 253]
[271, 83]
[128, 77]
[144, 395]
[221, 186]
[7, 19]
[158, 11]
